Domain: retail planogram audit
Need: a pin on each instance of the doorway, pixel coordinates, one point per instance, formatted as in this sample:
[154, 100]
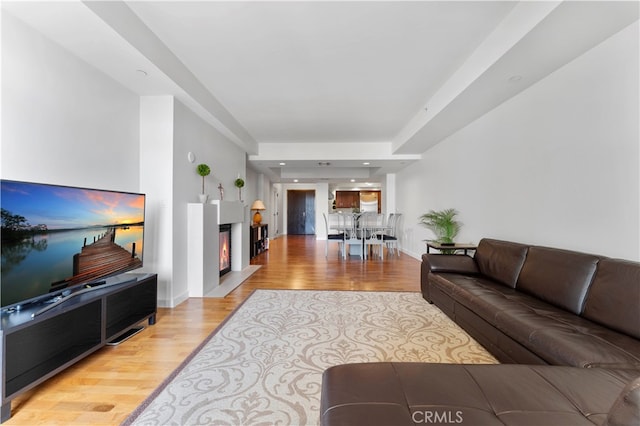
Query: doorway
[301, 212]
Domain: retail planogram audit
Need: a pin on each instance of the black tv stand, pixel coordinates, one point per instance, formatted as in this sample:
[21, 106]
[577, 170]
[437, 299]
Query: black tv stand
[58, 300]
[126, 335]
[36, 343]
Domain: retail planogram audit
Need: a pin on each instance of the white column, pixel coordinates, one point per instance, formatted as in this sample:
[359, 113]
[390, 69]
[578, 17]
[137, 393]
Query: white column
[203, 249]
[236, 246]
[390, 194]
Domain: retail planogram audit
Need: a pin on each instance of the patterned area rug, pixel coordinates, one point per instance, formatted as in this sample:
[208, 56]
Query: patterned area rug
[264, 364]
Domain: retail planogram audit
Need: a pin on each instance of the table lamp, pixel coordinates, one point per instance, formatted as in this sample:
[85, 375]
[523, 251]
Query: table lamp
[257, 206]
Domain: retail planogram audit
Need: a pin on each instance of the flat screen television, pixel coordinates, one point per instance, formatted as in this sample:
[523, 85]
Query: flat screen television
[56, 238]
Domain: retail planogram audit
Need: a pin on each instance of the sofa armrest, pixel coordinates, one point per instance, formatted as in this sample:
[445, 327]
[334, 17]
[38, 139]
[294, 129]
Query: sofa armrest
[626, 409]
[453, 263]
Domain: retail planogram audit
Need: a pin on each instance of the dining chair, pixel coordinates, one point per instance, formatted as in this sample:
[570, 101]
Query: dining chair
[391, 233]
[390, 221]
[352, 235]
[333, 237]
[373, 233]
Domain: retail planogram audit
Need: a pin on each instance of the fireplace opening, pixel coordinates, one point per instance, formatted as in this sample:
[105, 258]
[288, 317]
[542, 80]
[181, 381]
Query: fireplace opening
[225, 249]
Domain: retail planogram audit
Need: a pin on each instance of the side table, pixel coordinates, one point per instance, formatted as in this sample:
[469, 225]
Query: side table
[456, 246]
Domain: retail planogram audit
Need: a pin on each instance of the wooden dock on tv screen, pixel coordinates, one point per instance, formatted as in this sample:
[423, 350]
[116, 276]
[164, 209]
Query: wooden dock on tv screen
[101, 258]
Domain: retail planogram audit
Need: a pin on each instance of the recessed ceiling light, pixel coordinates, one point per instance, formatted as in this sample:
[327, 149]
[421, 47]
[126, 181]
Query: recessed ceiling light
[295, 180]
[353, 180]
[283, 164]
[515, 78]
[366, 163]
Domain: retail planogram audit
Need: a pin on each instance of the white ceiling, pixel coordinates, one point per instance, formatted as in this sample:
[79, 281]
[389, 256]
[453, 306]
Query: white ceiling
[318, 72]
[339, 82]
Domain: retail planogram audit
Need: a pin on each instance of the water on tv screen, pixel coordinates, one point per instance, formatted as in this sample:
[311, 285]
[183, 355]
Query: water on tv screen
[57, 237]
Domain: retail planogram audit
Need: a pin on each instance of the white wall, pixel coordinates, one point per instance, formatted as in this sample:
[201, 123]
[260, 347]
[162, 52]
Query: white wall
[260, 187]
[63, 122]
[557, 165]
[226, 159]
[169, 131]
[156, 177]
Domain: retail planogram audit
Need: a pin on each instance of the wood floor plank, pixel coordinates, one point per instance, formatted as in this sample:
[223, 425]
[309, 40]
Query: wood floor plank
[106, 387]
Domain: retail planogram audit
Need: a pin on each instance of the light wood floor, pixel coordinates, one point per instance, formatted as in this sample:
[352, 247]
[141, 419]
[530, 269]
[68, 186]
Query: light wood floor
[106, 387]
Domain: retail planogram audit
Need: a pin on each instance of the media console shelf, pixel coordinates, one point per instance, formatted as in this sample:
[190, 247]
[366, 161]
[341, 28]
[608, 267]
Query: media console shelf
[36, 347]
[259, 236]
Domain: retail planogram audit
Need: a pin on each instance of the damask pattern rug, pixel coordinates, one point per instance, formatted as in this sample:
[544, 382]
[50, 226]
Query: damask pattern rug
[264, 364]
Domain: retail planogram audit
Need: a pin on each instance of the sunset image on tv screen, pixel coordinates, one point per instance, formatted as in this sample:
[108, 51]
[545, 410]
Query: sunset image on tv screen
[57, 236]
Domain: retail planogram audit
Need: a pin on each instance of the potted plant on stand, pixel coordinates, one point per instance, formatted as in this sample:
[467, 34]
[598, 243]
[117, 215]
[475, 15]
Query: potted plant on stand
[203, 170]
[239, 183]
[444, 225]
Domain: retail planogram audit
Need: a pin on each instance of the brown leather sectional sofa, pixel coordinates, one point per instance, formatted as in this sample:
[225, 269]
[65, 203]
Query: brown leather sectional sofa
[572, 318]
[539, 305]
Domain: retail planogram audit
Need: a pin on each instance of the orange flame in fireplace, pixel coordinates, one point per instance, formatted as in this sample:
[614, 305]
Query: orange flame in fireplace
[224, 252]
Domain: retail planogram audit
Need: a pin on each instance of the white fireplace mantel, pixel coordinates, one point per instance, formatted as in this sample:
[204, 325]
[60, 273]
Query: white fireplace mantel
[229, 211]
[203, 229]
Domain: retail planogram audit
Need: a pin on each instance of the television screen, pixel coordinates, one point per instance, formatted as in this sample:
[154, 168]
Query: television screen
[56, 237]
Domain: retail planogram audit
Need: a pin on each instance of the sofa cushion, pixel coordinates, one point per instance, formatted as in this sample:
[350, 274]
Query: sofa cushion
[487, 298]
[560, 277]
[373, 396]
[563, 345]
[561, 338]
[613, 297]
[500, 260]
[374, 393]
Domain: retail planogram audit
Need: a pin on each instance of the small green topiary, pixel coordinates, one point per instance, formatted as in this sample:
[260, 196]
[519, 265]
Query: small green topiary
[203, 170]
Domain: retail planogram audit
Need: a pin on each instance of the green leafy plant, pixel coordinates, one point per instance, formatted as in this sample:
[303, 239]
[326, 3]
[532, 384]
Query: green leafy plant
[443, 224]
[203, 170]
[239, 183]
